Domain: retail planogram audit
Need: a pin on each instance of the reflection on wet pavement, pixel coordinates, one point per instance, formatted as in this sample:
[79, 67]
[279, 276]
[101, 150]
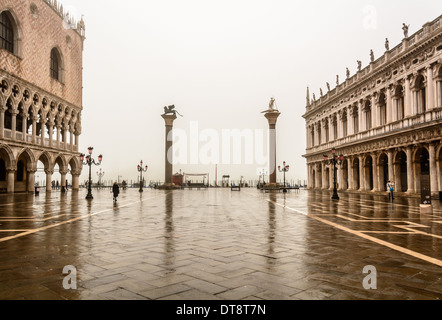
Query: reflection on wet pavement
[218, 244]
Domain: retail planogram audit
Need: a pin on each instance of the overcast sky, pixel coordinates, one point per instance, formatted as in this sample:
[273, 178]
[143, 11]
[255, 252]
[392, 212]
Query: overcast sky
[220, 62]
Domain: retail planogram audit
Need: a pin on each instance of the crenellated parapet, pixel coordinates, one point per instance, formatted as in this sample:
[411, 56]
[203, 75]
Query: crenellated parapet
[68, 20]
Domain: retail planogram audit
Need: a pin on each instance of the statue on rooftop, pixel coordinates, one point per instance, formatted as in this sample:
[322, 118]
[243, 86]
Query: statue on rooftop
[359, 65]
[387, 44]
[405, 28]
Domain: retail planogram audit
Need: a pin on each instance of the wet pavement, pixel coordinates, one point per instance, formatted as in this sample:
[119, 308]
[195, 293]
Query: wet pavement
[218, 245]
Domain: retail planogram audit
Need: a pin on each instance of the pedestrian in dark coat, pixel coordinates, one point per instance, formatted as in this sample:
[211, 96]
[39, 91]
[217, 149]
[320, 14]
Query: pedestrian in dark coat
[116, 190]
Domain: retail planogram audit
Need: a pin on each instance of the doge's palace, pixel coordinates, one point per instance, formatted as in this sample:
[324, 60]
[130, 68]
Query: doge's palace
[41, 53]
[386, 120]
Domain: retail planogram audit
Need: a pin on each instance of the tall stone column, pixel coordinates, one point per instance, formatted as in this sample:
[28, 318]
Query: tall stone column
[11, 180]
[272, 118]
[168, 153]
[63, 180]
[350, 174]
[31, 181]
[76, 180]
[34, 130]
[48, 180]
[14, 114]
[361, 174]
[389, 105]
[376, 185]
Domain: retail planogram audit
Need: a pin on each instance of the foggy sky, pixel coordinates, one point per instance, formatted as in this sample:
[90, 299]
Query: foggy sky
[219, 63]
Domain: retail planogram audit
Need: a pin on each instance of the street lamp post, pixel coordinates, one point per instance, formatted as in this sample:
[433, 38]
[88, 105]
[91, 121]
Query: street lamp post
[100, 175]
[336, 160]
[141, 170]
[89, 162]
[285, 169]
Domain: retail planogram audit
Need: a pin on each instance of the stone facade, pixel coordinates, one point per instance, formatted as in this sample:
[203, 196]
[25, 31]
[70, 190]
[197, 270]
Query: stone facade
[386, 120]
[41, 53]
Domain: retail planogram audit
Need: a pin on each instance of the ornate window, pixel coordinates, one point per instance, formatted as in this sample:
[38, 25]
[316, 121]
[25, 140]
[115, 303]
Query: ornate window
[6, 33]
[367, 109]
[382, 110]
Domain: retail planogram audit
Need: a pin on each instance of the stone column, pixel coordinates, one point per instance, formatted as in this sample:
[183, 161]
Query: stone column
[49, 180]
[272, 117]
[430, 91]
[43, 132]
[410, 173]
[14, 114]
[350, 174]
[361, 174]
[360, 117]
[324, 176]
[390, 165]
[433, 169]
[50, 133]
[75, 181]
[389, 106]
[407, 98]
[25, 127]
[374, 113]
[340, 176]
[34, 130]
[2, 122]
[63, 180]
[168, 153]
[31, 181]
[11, 180]
[375, 173]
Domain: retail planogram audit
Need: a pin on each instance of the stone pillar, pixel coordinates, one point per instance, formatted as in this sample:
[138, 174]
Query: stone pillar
[13, 124]
[49, 180]
[25, 127]
[361, 174]
[407, 98]
[168, 153]
[324, 176]
[31, 181]
[350, 174]
[389, 106]
[50, 133]
[410, 173]
[272, 117]
[75, 181]
[42, 132]
[360, 116]
[340, 176]
[390, 165]
[430, 91]
[2, 122]
[433, 169]
[11, 180]
[57, 135]
[374, 113]
[63, 180]
[375, 173]
[34, 130]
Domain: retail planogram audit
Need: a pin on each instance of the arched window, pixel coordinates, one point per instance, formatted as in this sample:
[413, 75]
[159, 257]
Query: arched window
[55, 65]
[6, 33]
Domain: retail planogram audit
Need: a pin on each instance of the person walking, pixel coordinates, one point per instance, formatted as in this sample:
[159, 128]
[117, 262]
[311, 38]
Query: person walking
[115, 190]
[390, 190]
